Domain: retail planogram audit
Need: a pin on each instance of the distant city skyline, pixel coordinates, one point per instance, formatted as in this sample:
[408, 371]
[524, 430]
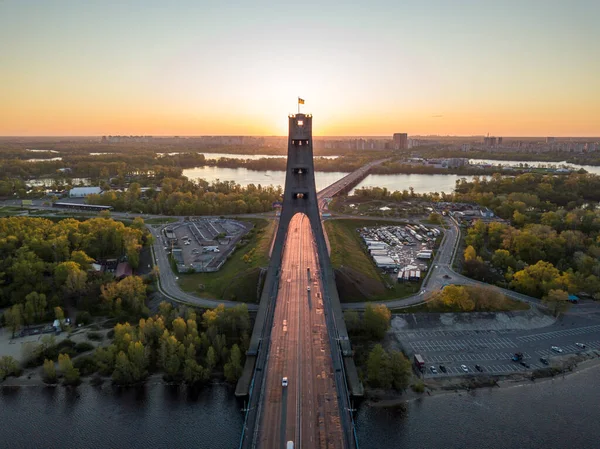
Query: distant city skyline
[193, 68]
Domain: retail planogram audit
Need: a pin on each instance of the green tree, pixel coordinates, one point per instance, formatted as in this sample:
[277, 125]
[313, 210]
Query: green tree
[105, 359]
[211, 358]
[502, 259]
[123, 372]
[179, 328]
[76, 283]
[233, 368]
[14, 318]
[400, 370]
[49, 372]
[139, 360]
[170, 357]
[37, 302]
[62, 271]
[352, 320]
[377, 320]
[193, 373]
[70, 373]
[8, 367]
[557, 301]
[378, 368]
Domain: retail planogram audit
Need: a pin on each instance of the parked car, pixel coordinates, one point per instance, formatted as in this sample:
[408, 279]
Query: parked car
[433, 370]
[580, 345]
[544, 360]
[556, 349]
[479, 368]
[443, 369]
[525, 364]
[464, 368]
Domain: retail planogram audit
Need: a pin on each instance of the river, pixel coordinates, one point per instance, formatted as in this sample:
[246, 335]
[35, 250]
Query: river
[555, 414]
[241, 156]
[243, 176]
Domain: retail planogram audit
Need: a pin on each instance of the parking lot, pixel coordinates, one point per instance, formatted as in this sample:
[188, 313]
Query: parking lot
[203, 245]
[400, 249]
[492, 351]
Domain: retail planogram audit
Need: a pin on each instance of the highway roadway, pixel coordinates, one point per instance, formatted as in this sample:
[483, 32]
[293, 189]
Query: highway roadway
[306, 411]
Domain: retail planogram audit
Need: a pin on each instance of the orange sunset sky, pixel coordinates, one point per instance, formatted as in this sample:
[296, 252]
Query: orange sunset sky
[509, 68]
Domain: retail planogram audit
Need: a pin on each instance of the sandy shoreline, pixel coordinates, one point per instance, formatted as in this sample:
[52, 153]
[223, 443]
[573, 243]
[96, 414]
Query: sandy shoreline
[456, 385]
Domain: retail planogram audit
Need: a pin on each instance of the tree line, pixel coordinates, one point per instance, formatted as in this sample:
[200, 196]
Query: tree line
[44, 264]
[180, 196]
[551, 240]
[178, 343]
[377, 367]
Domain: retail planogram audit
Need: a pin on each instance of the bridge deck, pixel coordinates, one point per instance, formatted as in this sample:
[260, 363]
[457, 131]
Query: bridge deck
[307, 410]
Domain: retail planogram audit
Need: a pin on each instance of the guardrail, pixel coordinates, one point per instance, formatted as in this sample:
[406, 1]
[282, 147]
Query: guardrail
[334, 342]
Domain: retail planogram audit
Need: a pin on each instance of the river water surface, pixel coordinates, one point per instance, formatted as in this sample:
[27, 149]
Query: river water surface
[555, 414]
[243, 176]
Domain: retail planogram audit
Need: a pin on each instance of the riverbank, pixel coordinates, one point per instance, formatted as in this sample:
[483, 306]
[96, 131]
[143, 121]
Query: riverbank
[560, 367]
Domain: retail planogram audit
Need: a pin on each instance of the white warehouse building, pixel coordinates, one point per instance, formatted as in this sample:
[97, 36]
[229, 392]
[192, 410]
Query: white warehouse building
[82, 192]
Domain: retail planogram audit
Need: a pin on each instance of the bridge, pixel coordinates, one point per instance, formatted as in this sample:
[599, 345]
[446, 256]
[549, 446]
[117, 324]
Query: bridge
[299, 372]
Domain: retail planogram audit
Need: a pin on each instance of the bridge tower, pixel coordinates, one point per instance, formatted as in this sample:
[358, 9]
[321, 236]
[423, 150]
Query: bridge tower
[300, 194]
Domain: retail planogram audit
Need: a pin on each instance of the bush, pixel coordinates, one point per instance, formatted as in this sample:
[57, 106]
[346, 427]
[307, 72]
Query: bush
[95, 336]
[83, 318]
[83, 347]
[69, 372]
[86, 365]
[35, 354]
[419, 387]
[8, 367]
[49, 375]
[66, 343]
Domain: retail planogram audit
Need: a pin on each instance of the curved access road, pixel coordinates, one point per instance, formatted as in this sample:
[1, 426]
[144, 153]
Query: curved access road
[168, 285]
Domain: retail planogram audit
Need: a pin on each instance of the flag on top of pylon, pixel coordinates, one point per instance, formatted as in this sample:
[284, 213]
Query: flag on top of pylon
[300, 100]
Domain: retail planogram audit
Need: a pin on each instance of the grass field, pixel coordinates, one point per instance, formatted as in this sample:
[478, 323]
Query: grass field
[237, 280]
[354, 265]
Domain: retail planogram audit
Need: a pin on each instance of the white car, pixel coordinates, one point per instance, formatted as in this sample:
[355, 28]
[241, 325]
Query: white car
[580, 345]
[308, 288]
[556, 349]
[464, 368]
[433, 370]
[284, 382]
